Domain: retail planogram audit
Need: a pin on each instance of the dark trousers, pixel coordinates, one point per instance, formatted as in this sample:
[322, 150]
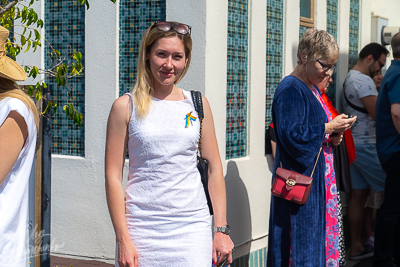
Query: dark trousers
[387, 232]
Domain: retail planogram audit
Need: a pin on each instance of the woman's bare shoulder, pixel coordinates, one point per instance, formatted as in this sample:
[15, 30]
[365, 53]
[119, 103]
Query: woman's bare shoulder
[121, 107]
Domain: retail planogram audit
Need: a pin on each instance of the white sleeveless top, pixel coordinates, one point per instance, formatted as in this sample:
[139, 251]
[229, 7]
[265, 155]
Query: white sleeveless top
[166, 208]
[14, 191]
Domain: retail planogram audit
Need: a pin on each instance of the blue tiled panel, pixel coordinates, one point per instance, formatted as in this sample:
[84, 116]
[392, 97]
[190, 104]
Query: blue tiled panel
[302, 30]
[65, 31]
[354, 33]
[254, 259]
[236, 121]
[274, 53]
[135, 17]
[331, 27]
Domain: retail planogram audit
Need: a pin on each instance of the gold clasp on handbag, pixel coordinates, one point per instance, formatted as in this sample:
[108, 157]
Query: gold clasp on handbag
[290, 182]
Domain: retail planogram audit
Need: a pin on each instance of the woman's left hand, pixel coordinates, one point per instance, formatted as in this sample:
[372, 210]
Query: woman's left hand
[337, 139]
[222, 249]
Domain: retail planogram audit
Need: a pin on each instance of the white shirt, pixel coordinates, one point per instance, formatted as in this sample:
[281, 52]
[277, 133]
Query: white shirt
[357, 86]
[14, 191]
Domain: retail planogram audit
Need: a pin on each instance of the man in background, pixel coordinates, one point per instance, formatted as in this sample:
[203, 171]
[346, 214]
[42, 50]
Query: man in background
[360, 95]
[387, 235]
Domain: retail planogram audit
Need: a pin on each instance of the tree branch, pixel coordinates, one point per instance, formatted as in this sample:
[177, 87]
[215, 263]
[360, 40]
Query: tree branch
[8, 6]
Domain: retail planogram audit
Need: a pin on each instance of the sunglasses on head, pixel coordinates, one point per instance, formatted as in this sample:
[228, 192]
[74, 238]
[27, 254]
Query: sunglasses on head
[178, 27]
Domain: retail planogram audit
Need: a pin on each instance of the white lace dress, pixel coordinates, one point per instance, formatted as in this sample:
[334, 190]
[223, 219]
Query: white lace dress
[166, 208]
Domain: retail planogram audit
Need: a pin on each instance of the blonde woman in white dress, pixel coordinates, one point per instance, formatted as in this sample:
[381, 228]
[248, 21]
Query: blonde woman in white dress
[164, 218]
[18, 130]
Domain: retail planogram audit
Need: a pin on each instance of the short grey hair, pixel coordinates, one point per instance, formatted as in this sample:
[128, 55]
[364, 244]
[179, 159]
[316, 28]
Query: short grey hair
[317, 44]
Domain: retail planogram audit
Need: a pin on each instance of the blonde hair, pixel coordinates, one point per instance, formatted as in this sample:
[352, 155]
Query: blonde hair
[317, 44]
[143, 89]
[9, 88]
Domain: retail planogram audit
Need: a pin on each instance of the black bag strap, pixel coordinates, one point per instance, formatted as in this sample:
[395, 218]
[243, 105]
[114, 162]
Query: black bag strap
[198, 106]
[363, 110]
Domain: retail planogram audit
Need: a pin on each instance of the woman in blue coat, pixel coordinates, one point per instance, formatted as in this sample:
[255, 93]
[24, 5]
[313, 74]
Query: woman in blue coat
[306, 235]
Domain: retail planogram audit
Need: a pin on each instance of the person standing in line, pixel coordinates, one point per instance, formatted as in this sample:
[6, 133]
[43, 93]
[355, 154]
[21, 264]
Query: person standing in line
[343, 156]
[18, 132]
[360, 96]
[387, 231]
[164, 219]
[375, 199]
[307, 235]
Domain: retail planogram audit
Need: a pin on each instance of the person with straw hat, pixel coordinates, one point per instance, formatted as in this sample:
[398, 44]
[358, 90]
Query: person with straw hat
[18, 132]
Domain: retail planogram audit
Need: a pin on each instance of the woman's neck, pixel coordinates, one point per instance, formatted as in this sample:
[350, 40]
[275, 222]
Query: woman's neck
[300, 73]
[169, 93]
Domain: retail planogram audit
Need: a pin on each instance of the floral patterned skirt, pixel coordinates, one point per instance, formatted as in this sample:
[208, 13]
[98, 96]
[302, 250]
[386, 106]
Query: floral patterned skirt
[332, 222]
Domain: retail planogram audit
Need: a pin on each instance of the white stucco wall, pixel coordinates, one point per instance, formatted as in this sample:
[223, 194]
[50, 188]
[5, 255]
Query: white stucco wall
[79, 212]
[291, 22]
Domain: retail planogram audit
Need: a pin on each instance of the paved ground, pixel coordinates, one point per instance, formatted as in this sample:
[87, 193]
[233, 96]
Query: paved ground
[67, 262]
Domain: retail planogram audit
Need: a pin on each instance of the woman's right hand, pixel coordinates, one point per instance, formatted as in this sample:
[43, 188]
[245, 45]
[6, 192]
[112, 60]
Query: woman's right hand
[339, 124]
[127, 254]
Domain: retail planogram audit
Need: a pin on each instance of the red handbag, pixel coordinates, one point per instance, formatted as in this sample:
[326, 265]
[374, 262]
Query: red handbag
[291, 185]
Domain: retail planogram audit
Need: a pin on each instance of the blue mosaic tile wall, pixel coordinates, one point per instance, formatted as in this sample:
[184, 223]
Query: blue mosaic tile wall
[254, 259]
[236, 101]
[331, 27]
[354, 33]
[135, 17]
[274, 53]
[65, 31]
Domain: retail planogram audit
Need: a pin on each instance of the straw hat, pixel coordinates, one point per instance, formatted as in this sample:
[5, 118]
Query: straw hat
[9, 69]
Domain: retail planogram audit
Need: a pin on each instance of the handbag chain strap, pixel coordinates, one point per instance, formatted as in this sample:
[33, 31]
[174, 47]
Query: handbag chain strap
[316, 161]
[198, 106]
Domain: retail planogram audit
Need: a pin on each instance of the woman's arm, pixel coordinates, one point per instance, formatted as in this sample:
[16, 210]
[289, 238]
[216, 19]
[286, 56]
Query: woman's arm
[222, 245]
[116, 144]
[13, 134]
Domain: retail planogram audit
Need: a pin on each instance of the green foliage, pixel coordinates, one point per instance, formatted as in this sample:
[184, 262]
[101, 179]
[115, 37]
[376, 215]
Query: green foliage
[63, 67]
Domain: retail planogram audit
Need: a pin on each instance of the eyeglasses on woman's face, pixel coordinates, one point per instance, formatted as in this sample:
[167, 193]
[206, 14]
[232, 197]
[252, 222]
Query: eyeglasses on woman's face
[332, 68]
[178, 27]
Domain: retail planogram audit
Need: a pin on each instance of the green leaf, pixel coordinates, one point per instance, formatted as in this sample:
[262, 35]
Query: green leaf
[30, 90]
[29, 46]
[37, 35]
[77, 56]
[23, 40]
[47, 107]
[38, 95]
[44, 85]
[66, 110]
[54, 107]
[40, 23]
[24, 13]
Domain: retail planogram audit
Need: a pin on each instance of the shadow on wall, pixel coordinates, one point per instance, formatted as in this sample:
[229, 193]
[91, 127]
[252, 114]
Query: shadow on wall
[238, 209]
